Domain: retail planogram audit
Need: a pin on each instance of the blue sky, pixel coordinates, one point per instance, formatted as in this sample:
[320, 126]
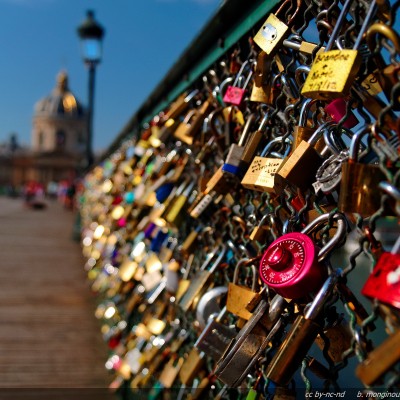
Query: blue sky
[38, 39]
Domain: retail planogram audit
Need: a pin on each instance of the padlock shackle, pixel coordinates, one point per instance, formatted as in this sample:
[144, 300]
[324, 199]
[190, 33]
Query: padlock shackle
[332, 141]
[305, 109]
[338, 25]
[221, 254]
[240, 74]
[319, 132]
[379, 28]
[246, 132]
[245, 262]
[356, 142]
[371, 12]
[191, 95]
[300, 71]
[211, 295]
[390, 189]
[224, 84]
[273, 142]
[339, 234]
[236, 271]
[190, 115]
[322, 296]
[209, 257]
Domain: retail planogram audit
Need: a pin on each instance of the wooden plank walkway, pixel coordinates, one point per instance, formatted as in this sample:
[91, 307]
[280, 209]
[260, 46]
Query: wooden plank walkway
[49, 337]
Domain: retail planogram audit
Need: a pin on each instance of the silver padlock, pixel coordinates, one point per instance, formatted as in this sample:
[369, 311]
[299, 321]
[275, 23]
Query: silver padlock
[250, 343]
[201, 277]
[216, 336]
[210, 305]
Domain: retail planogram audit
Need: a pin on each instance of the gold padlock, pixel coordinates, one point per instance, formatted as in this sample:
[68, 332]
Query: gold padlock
[303, 131]
[333, 71]
[301, 166]
[239, 296]
[387, 79]
[180, 105]
[191, 124]
[269, 229]
[359, 187]
[193, 363]
[260, 174]
[260, 92]
[274, 31]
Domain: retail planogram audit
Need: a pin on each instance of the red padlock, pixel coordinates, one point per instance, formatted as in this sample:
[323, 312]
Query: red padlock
[292, 265]
[384, 282]
[337, 110]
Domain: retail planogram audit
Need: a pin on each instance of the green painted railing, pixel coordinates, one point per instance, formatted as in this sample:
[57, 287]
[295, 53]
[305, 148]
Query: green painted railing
[233, 20]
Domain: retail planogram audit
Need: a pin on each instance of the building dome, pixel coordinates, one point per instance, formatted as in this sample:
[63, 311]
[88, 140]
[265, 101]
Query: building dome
[61, 102]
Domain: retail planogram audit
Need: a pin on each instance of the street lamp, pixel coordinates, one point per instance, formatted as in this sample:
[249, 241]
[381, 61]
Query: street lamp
[91, 35]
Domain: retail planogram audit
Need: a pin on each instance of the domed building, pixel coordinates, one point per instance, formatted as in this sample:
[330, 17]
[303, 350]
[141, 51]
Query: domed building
[59, 135]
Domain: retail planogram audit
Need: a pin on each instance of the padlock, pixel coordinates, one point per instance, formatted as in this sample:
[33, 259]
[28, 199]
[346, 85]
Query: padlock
[304, 132]
[392, 191]
[261, 89]
[176, 209]
[385, 78]
[384, 282]
[337, 109]
[171, 276]
[329, 174]
[293, 265]
[239, 296]
[300, 167]
[301, 336]
[379, 360]
[359, 191]
[273, 31]
[333, 71]
[221, 182]
[192, 122]
[170, 372]
[201, 277]
[251, 147]
[193, 363]
[268, 229]
[204, 204]
[306, 48]
[216, 336]
[250, 343]
[180, 105]
[210, 305]
[235, 93]
[232, 161]
[260, 175]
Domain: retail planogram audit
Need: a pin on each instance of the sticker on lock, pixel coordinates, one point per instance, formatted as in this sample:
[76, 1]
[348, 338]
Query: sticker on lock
[270, 34]
[384, 281]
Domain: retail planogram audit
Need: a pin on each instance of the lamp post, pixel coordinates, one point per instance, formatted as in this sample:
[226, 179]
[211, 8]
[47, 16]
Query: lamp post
[91, 35]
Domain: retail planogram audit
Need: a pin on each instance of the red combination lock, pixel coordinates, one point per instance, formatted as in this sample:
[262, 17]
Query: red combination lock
[292, 265]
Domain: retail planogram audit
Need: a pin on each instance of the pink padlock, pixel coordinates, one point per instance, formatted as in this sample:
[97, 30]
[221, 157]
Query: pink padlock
[293, 265]
[235, 93]
[337, 110]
